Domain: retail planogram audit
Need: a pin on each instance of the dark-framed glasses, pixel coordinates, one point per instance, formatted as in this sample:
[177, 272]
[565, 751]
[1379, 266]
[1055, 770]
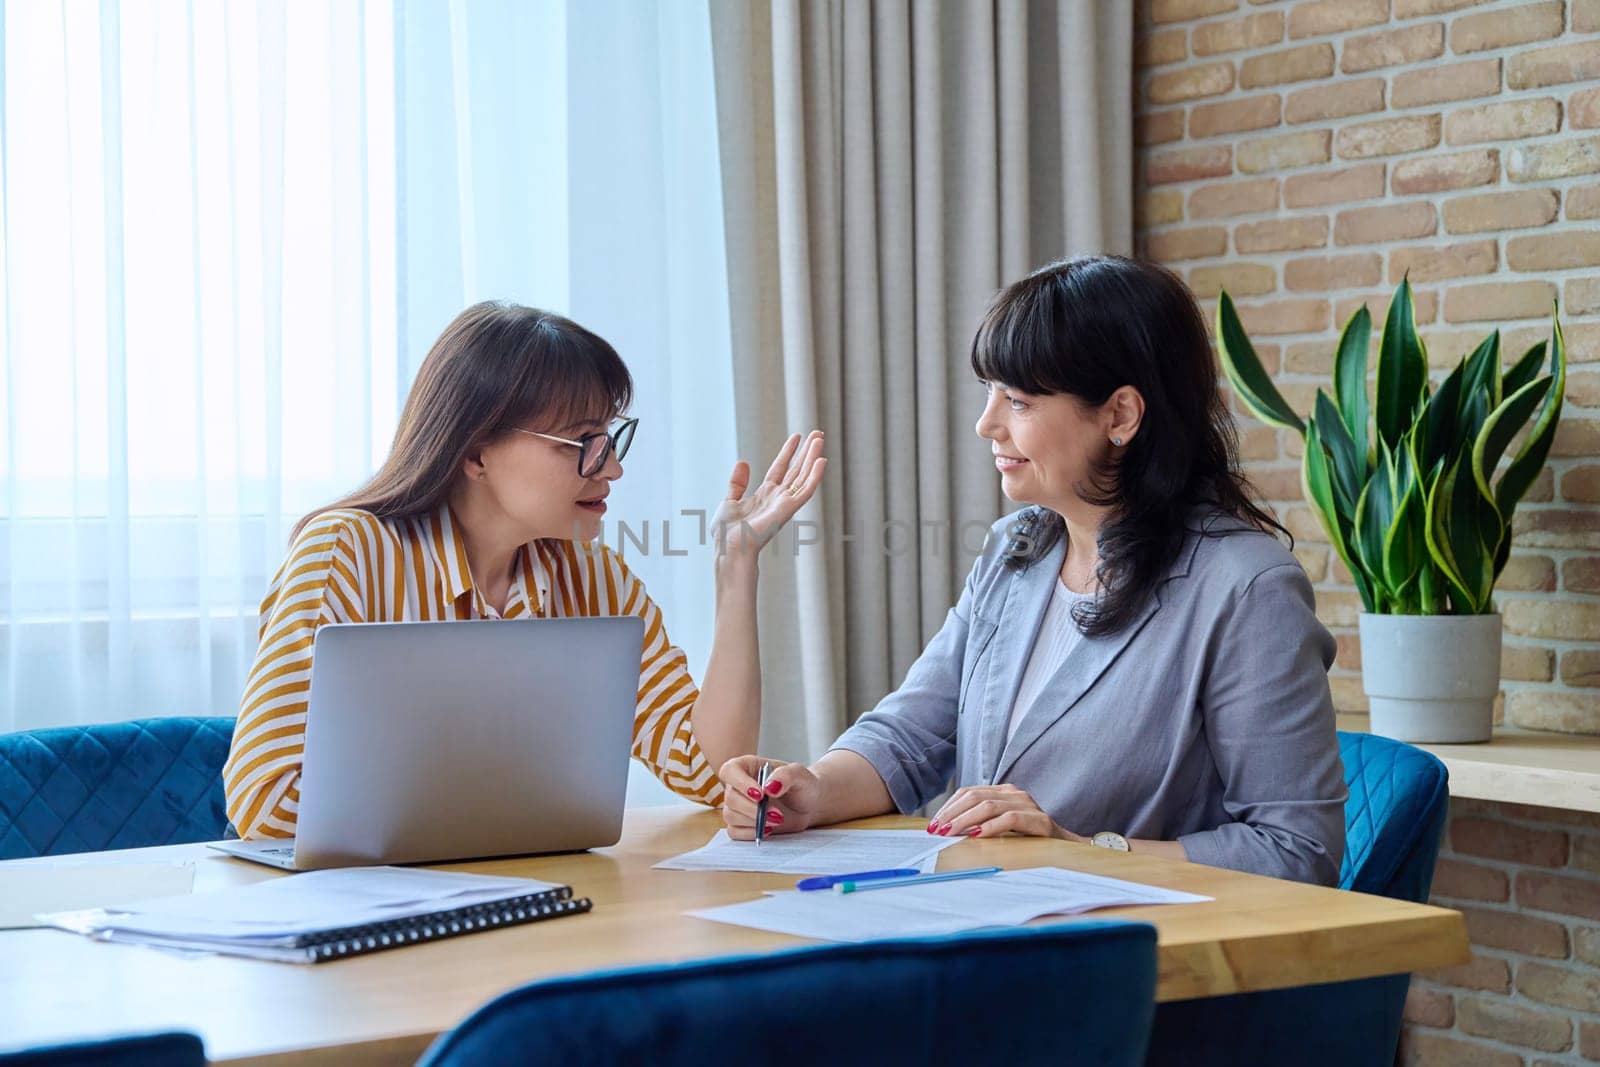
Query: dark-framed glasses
[595, 448]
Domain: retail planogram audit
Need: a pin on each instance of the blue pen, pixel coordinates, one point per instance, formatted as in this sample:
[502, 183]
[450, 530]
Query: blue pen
[831, 880]
[921, 879]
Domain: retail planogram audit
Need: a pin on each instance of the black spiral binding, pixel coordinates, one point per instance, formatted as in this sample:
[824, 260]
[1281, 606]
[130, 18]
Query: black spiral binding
[375, 937]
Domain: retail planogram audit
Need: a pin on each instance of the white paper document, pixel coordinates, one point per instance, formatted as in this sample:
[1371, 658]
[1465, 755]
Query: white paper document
[29, 888]
[279, 910]
[818, 852]
[1009, 898]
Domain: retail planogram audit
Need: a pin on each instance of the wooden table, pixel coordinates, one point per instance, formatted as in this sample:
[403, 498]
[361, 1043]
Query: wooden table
[1259, 933]
[1535, 767]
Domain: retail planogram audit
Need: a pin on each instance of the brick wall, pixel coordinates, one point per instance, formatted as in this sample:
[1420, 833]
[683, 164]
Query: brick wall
[1528, 881]
[1306, 154]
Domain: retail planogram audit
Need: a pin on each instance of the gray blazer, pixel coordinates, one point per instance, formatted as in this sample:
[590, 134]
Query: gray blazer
[1207, 720]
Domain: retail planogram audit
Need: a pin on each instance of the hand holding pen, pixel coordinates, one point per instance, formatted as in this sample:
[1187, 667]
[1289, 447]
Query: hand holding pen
[785, 801]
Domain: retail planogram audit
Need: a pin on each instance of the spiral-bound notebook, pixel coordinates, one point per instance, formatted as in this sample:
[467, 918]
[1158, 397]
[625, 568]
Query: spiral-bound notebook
[328, 915]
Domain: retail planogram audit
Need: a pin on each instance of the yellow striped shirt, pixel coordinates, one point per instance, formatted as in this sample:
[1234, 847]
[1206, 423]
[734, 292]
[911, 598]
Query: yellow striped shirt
[350, 566]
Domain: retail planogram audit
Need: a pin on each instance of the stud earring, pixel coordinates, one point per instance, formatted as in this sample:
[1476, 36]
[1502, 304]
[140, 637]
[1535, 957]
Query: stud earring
[1117, 441]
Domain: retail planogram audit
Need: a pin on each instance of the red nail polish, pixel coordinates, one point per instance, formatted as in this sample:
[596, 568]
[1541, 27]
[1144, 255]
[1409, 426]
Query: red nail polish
[774, 816]
[754, 793]
[773, 787]
[944, 831]
[976, 831]
[933, 825]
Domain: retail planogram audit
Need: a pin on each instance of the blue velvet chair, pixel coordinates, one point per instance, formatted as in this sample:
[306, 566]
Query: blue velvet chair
[117, 785]
[1055, 995]
[1394, 819]
[146, 1050]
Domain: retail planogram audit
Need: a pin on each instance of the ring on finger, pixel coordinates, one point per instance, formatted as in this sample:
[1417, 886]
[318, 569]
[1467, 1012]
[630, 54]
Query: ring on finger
[793, 489]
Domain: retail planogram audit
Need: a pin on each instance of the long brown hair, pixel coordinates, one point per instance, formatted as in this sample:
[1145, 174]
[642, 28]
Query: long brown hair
[497, 366]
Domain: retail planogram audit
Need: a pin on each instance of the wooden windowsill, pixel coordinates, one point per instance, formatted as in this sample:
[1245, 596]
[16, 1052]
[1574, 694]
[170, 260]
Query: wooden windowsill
[1547, 770]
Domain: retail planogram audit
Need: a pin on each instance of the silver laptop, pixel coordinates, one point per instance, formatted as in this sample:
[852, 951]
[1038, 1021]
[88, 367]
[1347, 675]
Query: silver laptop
[435, 741]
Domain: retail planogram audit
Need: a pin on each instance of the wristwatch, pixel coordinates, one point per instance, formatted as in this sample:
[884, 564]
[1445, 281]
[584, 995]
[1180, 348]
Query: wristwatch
[1110, 839]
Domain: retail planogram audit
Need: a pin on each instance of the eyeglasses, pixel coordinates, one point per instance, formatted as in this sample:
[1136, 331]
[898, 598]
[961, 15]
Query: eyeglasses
[595, 448]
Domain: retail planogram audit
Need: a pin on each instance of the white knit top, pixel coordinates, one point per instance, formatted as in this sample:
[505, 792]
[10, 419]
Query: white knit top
[1058, 636]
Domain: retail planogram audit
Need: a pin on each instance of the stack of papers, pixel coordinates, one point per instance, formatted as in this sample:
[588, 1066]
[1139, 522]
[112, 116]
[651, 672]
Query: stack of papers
[32, 887]
[1009, 898]
[273, 919]
[818, 852]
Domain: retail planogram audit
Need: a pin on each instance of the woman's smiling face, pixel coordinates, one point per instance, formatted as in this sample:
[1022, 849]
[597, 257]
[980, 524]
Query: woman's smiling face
[1046, 448]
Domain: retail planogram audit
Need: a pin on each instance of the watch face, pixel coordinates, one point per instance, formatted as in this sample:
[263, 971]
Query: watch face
[1110, 839]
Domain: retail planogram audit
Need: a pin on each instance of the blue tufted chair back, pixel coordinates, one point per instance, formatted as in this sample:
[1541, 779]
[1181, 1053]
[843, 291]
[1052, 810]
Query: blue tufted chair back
[144, 1050]
[1079, 993]
[117, 785]
[1393, 821]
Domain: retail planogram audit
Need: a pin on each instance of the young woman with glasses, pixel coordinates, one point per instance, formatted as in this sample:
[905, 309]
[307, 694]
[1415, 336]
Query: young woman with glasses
[485, 509]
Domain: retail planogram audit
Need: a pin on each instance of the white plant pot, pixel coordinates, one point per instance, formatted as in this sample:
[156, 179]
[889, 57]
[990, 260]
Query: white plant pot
[1431, 678]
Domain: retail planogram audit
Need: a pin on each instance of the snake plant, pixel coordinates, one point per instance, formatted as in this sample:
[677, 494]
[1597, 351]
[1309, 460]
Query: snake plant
[1410, 487]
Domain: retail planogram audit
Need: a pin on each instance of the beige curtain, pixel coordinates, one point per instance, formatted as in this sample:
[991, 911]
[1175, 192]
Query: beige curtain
[887, 165]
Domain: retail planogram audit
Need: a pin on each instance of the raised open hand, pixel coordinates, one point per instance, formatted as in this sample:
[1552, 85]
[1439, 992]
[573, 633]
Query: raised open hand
[748, 519]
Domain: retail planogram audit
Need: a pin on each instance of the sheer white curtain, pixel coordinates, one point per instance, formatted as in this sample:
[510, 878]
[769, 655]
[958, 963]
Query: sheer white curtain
[228, 234]
[197, 310]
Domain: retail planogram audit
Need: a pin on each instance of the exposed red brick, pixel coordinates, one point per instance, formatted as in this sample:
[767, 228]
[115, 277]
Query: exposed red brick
[1561, 986]
[1489, 973]
[1503, 122]
[1581, 485]
[1387, 137]
[1563, 894]
[1289, 65]
[1157, 206]
[1502, 841]
[1554, 251]
[1239, 279]
[1232, 116]
[1433, 174]
[1507, 26]
[1455, 879]
[1427, 1007]
[1559, 159]
[1423, 1049]
[1197, 242]
[1334, 186]
[1581, 667]
[1337, 100]
[1280, 235]
[1563, 710]
[1500, 211]
[1437, 85]
[1388, 48]
[1227, 199]
[1335, 16]
[1390, 222]
[1446, 261]
[1188, 164]
[1584, 202]
[1189, 83]
[1324, 273]
[1515, 932]
[1161, 47]
[1284, 151]
[1514, 1024]
[1158, 127]
[1184, 10]
[1536, 68]
[1252, 31]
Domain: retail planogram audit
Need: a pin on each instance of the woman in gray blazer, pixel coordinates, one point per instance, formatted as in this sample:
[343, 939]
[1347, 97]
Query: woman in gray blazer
[1135, 655]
